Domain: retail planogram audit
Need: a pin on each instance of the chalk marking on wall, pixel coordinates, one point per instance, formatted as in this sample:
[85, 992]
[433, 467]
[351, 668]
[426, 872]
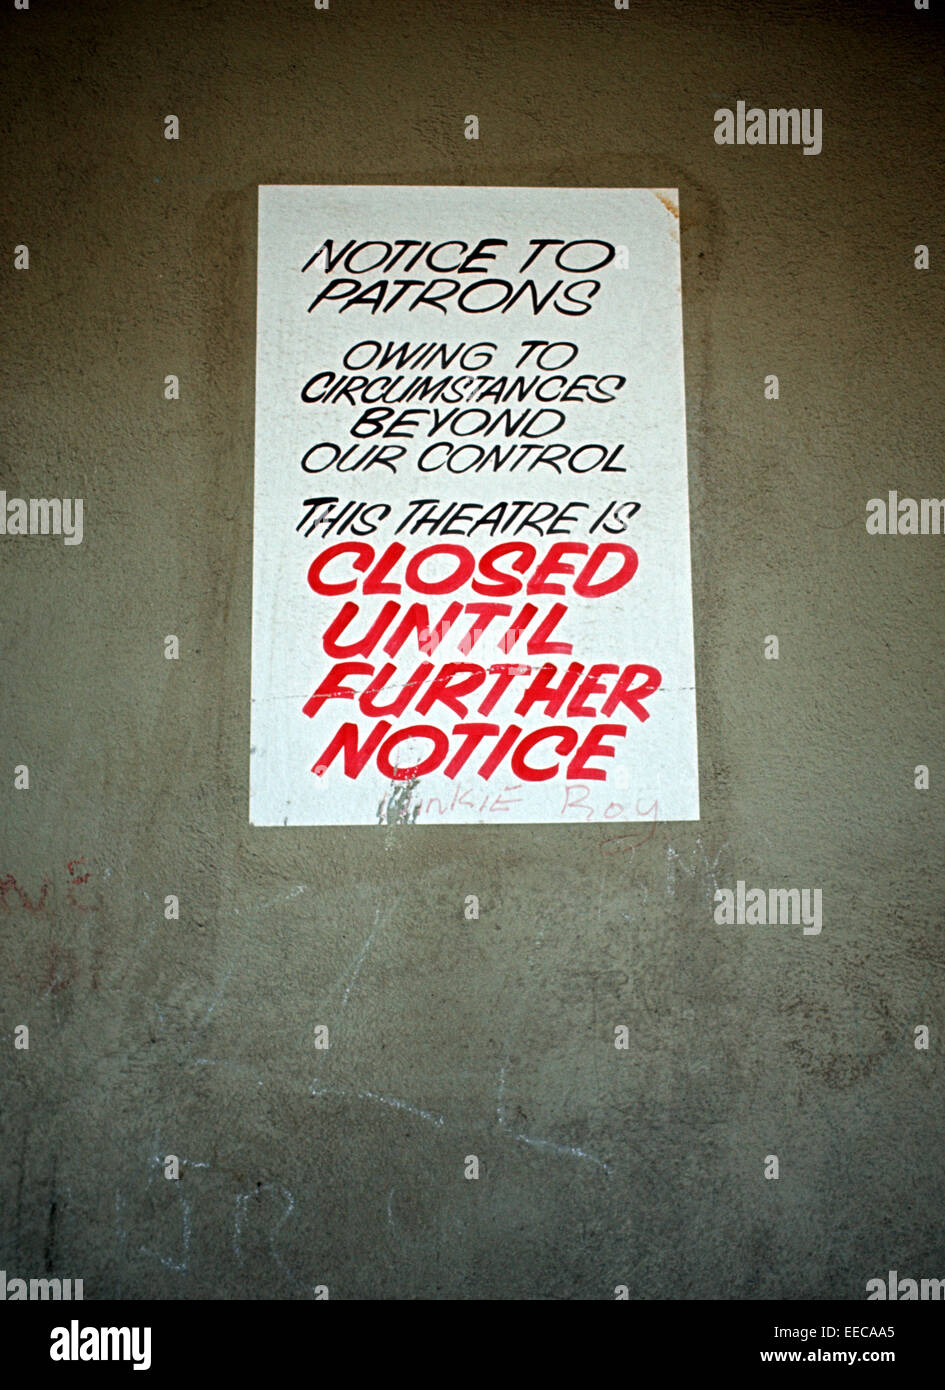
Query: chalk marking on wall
[182, 1267]
[428, 1115]
[500, 1092]
[351, 975]
[198, 1028]
[563, 1150]
[356, 968]
[708, 868]
[119, 1208]
[381, 920]
[290, 1208]
[156, 1161]
[241, 1205]
[282, 898]
[220, 992]
[241, 1200]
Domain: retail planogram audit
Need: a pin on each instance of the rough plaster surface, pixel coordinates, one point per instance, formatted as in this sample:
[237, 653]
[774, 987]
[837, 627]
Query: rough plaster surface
[450, 1038]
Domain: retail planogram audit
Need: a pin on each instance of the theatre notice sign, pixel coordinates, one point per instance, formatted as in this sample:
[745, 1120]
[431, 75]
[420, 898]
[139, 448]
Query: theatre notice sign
[471, 578]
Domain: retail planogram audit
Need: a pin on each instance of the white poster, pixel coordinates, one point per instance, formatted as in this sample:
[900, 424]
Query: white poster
[471, 575]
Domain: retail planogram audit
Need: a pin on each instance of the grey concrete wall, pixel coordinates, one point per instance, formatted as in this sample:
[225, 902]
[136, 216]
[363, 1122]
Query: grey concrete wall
[151, 1037]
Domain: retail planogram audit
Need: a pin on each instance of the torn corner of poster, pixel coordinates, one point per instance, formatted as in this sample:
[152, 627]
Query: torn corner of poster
[472, 599]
